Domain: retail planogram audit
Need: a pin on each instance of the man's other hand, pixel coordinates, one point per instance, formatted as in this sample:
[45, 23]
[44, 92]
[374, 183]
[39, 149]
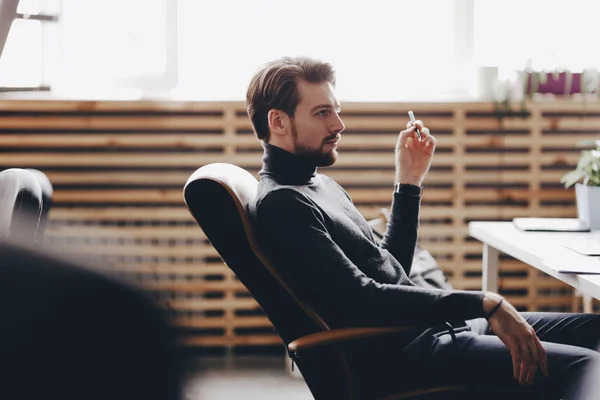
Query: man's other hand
[528, 354]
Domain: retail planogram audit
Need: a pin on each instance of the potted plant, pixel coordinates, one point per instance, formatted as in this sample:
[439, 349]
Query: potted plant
[587, 192]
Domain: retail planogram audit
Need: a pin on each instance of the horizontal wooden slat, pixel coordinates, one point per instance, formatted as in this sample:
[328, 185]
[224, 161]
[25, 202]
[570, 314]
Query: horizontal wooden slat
[245, 322]
[110, 105]
[192, 269]
[212, 304]
[124, 140]
[193, 286]
[254, 340]
[121, 178]
[113, 123]
[127, 232]
[148, 250]
[179, 213]
[120, 196]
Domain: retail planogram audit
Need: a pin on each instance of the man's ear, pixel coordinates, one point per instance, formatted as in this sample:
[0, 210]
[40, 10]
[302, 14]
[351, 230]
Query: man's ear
[277, 121]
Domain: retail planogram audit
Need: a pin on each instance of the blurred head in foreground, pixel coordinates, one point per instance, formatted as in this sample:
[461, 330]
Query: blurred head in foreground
[73, 333]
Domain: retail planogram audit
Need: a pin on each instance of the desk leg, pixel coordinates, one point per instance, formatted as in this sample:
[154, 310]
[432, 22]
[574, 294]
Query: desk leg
[489, 278]
[587, 304]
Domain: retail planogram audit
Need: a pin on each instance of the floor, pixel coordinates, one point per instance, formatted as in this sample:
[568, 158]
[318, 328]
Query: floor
[244, 377]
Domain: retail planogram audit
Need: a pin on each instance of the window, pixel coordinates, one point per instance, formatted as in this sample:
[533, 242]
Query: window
[382, 50]
[30, 53]
[110, 45]
[552, 33]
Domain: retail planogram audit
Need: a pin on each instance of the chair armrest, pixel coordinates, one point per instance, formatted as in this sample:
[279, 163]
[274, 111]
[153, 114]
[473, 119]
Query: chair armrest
[335, 336]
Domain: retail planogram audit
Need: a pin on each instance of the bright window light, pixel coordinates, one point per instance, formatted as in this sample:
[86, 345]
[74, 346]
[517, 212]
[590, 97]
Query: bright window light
[552, 33]
[21, 61]
[112, 44]
[38, 7]
[382, 50]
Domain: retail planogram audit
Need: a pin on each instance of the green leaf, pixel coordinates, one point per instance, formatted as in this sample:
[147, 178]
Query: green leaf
[594, 180]
[588, 166]
[586, 159]
[572, 177]
[595, 175]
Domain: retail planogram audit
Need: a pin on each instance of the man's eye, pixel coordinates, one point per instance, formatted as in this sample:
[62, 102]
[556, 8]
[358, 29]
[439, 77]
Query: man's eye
[323, 113]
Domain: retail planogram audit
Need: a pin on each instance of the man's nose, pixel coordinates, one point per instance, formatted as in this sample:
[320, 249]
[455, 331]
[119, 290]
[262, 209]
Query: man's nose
[338, 125]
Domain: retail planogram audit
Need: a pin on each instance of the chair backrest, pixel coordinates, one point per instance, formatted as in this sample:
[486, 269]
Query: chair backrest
[217, 196]
[20, 205]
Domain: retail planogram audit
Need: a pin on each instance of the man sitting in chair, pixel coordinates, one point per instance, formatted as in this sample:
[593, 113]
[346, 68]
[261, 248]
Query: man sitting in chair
[310, 229]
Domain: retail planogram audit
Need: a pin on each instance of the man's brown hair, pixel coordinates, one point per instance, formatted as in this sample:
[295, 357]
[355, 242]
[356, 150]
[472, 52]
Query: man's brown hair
[274, 86]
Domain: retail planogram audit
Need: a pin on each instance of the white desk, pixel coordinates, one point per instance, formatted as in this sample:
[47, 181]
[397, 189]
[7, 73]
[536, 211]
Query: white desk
[533, 248]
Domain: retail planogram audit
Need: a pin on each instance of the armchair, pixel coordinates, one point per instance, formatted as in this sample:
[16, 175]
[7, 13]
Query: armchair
[217, 196]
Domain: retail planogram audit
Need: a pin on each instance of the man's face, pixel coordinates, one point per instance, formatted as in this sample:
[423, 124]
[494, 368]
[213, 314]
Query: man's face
[316, 125]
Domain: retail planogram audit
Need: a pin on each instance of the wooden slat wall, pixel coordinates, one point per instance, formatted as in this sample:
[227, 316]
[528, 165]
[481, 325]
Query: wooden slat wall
[118, 169]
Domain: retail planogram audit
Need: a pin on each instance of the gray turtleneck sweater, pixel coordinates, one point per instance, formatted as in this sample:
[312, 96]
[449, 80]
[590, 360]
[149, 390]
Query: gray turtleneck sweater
[310, 229]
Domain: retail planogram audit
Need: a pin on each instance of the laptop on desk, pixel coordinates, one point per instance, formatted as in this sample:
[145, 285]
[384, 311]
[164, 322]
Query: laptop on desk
[551, 225]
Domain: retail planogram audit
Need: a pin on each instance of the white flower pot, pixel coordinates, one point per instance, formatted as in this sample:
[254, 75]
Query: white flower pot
[588, 204]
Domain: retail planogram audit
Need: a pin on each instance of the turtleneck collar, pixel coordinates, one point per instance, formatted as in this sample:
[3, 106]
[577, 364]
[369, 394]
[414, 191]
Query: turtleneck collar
[286, 168]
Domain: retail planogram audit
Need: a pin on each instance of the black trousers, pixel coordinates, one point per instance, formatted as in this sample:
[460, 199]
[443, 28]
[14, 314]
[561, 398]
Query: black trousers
[482, 360]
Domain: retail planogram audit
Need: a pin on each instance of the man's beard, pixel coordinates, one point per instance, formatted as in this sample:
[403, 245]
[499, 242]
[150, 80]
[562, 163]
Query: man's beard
[314, 156]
